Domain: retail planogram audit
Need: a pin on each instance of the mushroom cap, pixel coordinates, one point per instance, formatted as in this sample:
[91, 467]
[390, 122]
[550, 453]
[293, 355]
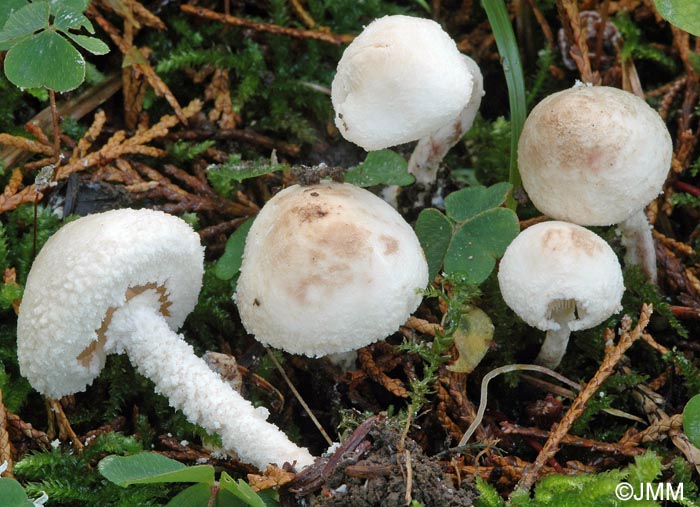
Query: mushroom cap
[82, 272]
[553, 262]
[593, 155]
[328, 268]
[400, 80]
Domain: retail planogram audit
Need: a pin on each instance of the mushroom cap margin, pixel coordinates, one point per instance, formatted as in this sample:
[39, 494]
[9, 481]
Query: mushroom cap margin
[555, 261]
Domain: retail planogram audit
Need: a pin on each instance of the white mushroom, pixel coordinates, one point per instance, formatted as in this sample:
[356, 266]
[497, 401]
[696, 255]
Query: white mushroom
[124, 281]
[403, 79]
[597, 156]
[560, 277]
[328, 268]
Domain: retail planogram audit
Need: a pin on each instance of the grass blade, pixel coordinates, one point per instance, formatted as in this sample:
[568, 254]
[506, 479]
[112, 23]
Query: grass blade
[510, 59]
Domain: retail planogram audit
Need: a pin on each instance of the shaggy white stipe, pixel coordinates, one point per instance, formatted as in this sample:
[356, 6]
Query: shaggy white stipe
[185, 379]
[429, 152]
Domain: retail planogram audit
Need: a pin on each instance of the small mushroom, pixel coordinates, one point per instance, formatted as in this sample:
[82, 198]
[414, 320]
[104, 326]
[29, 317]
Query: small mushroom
[560, 277]
[124, 281]
[328, 268]
[403, 79]
[597, 156]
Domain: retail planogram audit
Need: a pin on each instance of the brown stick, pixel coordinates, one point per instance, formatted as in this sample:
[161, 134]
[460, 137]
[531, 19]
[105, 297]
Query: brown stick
[56, 128]
[64, 426]
[594, 445]
[612, 358]
[5, 446]
[268, 27]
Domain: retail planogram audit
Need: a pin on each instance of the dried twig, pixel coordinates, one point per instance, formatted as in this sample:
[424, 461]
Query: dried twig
[612, 358]
[17, 426]
[299, 398]
[376, 373]
[5, 446]
[626, 449]
[138, 58]
[117, 146]
[267, 27]
[64, 427]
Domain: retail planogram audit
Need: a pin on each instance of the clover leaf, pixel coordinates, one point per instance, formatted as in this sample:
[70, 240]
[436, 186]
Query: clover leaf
[685, 14]
[383, 167]
[40, 42]
[475, 232]
[691, 420]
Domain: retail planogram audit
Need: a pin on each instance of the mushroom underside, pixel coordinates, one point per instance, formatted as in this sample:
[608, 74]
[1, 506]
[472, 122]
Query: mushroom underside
[97, 347]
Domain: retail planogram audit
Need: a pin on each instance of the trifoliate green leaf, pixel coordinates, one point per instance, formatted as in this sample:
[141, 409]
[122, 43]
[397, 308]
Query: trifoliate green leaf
[68, 19]
[92, 44]
[478, 242]
[12, 494]
[468, 202]
[197, 495]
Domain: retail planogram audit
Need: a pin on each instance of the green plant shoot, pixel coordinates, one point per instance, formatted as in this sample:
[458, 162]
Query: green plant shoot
[499, 19]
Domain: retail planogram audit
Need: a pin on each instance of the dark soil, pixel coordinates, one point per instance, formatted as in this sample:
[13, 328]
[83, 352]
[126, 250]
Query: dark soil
[380, 477]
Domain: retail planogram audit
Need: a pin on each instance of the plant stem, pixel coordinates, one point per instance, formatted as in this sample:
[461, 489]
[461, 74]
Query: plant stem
[56, 129]
[485, 385]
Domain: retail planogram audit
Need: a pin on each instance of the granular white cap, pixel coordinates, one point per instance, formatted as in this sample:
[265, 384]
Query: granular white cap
[555, 262]
[328, 268]
[400, 80]
[82, 272]
[593, 155]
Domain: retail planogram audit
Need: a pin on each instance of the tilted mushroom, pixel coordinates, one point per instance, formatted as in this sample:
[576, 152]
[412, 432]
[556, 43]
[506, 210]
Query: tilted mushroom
[560, 277]
[597, 156]
[124, 281]
[403, 79]
[328, 268]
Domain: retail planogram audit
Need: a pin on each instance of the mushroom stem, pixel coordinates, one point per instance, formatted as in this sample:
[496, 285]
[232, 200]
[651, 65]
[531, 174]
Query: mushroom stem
[556, 340]
[139, 329]
[430, 150]
[638, 241]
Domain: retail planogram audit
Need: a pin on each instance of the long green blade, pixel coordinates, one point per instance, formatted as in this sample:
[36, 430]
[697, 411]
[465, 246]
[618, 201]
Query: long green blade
[510, 58]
